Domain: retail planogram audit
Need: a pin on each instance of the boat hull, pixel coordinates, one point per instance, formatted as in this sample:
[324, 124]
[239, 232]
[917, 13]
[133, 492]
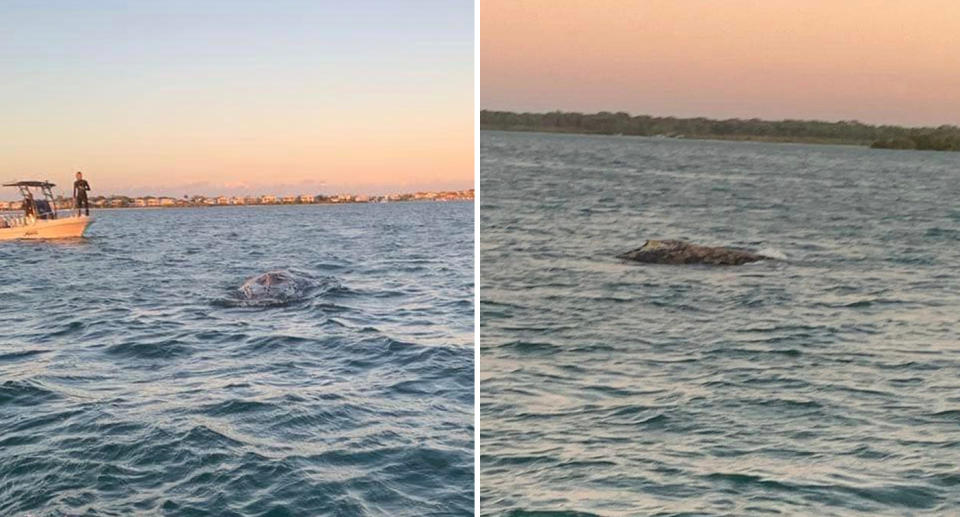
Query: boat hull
[63, 228]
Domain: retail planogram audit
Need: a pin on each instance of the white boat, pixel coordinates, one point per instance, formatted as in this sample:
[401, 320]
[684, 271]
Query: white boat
[40, 219]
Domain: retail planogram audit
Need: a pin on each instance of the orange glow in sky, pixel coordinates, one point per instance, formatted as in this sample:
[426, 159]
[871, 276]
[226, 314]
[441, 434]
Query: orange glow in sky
[877, 61]
[238, 98]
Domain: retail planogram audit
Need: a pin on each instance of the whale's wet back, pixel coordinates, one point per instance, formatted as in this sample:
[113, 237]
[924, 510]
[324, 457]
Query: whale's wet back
[678, 252]
[281, 287]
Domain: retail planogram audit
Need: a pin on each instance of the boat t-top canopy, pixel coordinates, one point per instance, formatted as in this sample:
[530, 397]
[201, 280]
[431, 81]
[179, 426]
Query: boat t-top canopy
[44, 208]
[30, 183]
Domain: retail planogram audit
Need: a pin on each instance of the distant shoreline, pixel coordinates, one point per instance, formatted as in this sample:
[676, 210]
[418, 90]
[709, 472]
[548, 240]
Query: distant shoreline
[144, 202]
[713, 138]
[113, 208]
[180, 207]
[942, 138]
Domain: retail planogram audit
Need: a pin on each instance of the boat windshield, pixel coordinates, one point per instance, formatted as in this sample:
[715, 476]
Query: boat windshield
[44, 209]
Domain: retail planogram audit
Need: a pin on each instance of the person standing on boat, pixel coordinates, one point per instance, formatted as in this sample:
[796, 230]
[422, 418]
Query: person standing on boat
[80, 188]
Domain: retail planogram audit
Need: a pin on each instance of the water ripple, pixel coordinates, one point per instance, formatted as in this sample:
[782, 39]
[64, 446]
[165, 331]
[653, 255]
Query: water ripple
[823, 384]
[136, 379]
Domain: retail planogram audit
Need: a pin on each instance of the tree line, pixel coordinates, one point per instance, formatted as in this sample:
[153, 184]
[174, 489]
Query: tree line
[942, 138]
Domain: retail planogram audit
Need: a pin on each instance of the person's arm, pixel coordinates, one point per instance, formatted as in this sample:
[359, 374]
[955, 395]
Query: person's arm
[74, 190]
[86, 185]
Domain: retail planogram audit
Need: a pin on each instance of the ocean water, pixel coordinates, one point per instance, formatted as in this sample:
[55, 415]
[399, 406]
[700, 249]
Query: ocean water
[827, 383]
[136, 379]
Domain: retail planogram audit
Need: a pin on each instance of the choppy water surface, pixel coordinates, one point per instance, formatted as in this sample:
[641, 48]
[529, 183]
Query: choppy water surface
[826, 384]
[135, 378]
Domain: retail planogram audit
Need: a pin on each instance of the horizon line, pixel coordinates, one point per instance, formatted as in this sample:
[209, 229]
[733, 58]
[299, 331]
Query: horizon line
[706, 117]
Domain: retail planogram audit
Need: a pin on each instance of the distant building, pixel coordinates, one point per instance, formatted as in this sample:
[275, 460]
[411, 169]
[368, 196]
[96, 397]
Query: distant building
[150, 201]
[4, 205]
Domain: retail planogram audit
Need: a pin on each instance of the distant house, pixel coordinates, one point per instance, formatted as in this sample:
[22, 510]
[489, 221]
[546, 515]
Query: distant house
[167, 201]
[362, 199]
[266, 200]
[251, 200]
[99, 202]
[117, 202]
[152, 201]
[236, 200]
[223, 200]
[289, 199]
[140, 202]
[305, 198]
[4, 205]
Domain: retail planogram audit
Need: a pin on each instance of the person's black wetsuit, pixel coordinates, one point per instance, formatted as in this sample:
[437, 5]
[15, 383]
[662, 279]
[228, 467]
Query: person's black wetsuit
[80, 188]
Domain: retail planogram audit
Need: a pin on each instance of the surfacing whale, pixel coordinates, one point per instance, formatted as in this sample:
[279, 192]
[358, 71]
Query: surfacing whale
[273, 285]
[682, 252]
[278, 288]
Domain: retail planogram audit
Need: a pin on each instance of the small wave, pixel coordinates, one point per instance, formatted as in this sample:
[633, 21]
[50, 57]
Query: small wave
[25, 354]
[161, 350]
[24, 393]
[948, 414]
[530, 347]
[942, 233]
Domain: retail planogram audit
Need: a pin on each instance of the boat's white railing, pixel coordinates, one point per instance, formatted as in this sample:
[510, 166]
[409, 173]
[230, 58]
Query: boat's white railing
[7, 221]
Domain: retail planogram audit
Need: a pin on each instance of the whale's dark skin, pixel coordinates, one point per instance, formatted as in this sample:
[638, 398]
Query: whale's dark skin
[682, 252]
[279, 288]
[274, 285]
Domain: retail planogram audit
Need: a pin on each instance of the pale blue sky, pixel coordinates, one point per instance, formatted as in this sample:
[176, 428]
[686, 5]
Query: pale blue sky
[238, 96]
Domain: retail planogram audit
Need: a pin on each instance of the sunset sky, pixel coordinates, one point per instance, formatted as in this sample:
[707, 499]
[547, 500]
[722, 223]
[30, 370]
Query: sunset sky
[184, 97]
[877, 61]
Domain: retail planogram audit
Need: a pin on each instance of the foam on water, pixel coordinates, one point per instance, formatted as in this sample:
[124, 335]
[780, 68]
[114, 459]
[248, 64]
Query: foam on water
[772, 253]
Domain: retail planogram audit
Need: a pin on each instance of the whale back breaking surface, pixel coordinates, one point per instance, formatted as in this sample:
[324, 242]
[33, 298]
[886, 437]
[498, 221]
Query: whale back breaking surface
[280, 285]
[279, 288]
[682, 252]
